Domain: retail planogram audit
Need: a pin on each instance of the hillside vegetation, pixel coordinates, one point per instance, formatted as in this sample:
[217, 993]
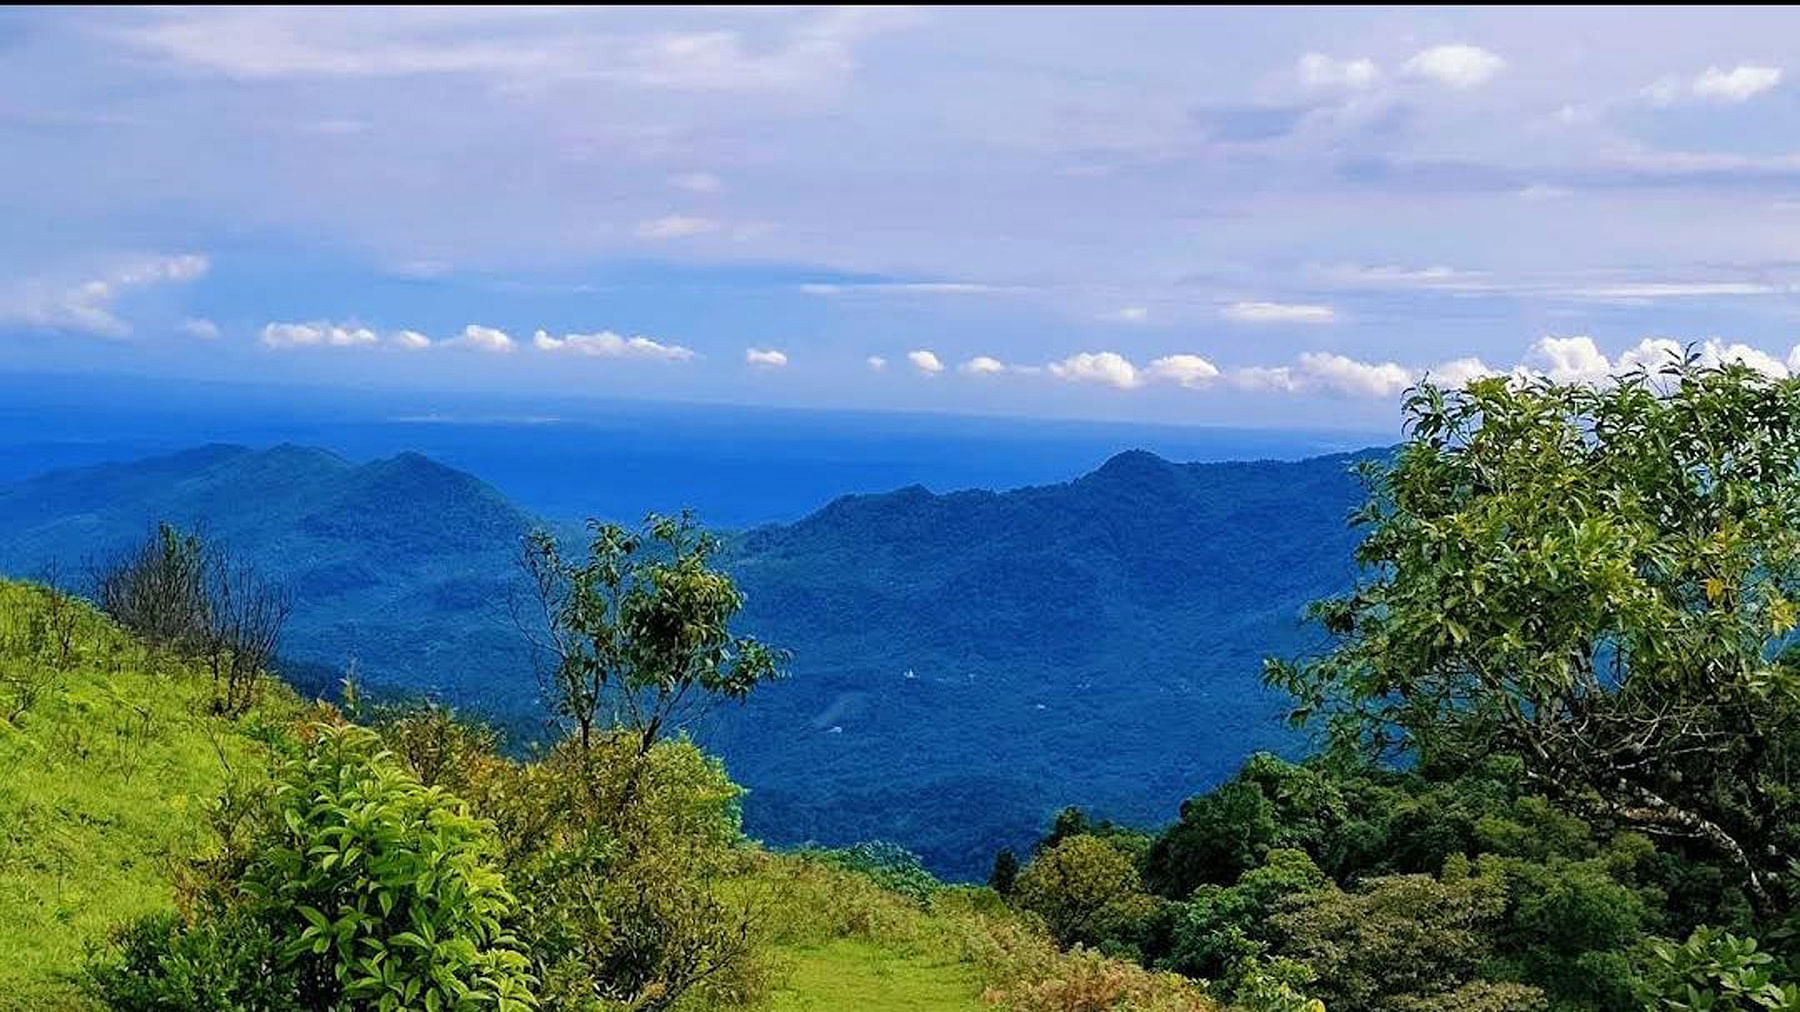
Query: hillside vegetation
[124, 793]
[1065, 627]
[1560, 709]
[111, 757]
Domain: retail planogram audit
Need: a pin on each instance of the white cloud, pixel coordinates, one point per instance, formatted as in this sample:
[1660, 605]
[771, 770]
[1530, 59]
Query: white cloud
[983, 365]
[607, 344]
[1280, 379]
[697, 182]
[1132, 314]
[806, 50]
[676, 226]
[904, 288]
[765, 358]
[1739, 84]
[1715, 352]
[410, 340]
[478, 338]
[1568, 360]
[877, 363]
[1190, 371]
[1317, 70]
[1325, 371]
[317, 334]
[1396, 276]
[1652, 355]
[1349, 376]
[1579, 360]
[1671, 290]
[925, 361]
[818, 52]
[1458, 65]
[1458, 373]
[422, 270]
[1278, 312]
[90, 306]
[1544, 191]
[200, 327]
[1106, 367]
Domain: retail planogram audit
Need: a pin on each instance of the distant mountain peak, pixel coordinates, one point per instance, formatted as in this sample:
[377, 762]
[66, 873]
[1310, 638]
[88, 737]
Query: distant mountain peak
[298, 453]
[1133, 465]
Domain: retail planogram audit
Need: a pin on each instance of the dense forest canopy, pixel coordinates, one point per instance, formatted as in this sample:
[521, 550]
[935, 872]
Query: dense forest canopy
[1561, 708]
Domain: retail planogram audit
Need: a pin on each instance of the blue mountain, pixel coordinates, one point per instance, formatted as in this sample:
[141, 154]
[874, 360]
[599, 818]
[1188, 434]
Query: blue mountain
[965, 663]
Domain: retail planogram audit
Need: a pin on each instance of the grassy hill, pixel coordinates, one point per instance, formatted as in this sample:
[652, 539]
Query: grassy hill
[112, 758]
[1097, 641]
[109, 756]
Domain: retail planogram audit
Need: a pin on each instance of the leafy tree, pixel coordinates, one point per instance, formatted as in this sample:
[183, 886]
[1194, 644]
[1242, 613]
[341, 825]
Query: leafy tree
[1714, 971]
[1411, 942]
[1599, 580]
[1221, 929]
[638, 632]
[1086, 890]
[184, 595]
[1006, 872]
[1220, 836]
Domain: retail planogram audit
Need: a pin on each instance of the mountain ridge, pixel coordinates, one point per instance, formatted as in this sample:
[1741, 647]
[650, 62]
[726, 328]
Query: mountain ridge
[1008, 650]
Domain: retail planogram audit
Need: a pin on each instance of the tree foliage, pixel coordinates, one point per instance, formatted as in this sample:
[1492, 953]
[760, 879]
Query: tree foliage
[1086, 890]
[638, 632]
[1599, 580]
[186, 596]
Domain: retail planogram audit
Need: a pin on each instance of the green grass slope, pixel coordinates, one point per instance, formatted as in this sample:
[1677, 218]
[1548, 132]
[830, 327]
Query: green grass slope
[106, 756]
[849, 974]
[109, 759]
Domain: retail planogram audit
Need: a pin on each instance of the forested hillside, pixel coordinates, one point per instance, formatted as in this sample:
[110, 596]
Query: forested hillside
[400, 566]
[154, 856]
[996, 653]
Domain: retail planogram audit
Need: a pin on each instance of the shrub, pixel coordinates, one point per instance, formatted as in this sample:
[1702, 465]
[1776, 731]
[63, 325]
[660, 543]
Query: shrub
[890, 865]
[622, 860]
[1025, 972]
[160, 964]
[1087, 891]
[381, 887]
[351, 886]
[1713, 971]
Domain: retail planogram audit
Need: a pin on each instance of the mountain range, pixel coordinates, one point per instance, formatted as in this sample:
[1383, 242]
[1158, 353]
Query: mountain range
[964, 663]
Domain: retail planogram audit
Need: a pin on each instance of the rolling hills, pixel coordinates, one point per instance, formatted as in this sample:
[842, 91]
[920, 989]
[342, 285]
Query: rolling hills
[964, 664]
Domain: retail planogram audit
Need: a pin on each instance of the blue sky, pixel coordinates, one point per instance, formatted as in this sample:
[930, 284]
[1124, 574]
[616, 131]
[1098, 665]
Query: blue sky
[1260, 217]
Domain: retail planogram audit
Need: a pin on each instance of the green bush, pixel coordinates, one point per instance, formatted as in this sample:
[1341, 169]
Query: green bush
[362, 889]
[160, 964]
[1714, 971]
[1088, 893]
[892, 866]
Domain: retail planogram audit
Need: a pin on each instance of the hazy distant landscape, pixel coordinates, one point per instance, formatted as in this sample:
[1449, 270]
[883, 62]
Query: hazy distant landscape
[567, 458]
[1018, 650]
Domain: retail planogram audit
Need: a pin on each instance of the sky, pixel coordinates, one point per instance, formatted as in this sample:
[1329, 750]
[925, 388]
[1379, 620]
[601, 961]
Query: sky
[1270, 217]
